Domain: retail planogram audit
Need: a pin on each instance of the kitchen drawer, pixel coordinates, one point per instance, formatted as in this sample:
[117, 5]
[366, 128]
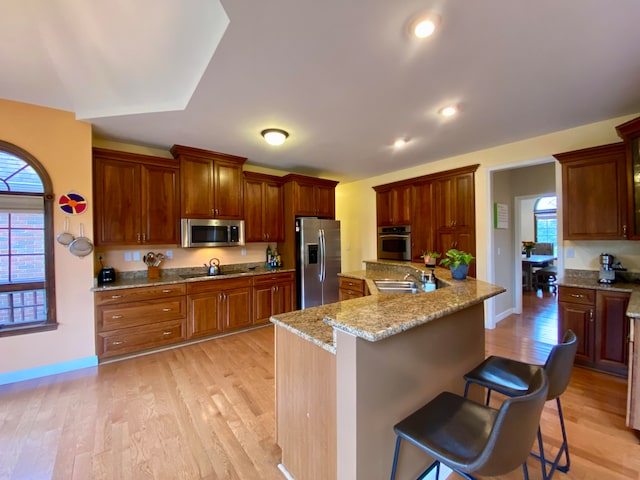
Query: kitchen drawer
[133, 314]
[217, 285]
[108, 297]
[584, 296]
[271, 278]
[352, 284]
[134, 339]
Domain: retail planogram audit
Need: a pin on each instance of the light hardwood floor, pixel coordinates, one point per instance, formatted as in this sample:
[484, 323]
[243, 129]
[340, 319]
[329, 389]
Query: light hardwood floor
[207, 411]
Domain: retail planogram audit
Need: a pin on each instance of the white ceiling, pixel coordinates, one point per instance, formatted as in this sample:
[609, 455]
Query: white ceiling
[343, 77]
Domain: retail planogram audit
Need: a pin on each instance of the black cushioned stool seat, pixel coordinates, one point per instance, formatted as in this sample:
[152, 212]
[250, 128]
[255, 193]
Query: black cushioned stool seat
[471, 438]
[512, 378]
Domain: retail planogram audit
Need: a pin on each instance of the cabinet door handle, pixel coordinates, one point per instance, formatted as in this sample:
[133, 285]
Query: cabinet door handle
[138, 237]
[115, 317]
[115, 297]
[591, 315]
[144, 237]
[624, 231]
[117, 342]
[167, 309]
[167, 333]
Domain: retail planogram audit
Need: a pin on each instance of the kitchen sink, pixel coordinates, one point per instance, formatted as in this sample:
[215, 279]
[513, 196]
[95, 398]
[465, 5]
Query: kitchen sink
[223, 273]
[397, 286]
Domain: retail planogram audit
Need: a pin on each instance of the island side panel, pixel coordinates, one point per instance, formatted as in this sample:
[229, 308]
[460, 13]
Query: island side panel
[380, 383]
[305, 407]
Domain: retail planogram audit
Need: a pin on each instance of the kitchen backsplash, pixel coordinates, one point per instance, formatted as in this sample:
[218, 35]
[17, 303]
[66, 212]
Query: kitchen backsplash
[182, 257]
[586, 254]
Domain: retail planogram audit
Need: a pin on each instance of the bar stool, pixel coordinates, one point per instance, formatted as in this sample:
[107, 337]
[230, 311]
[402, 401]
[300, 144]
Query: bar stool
[512, 378]
[471, 438]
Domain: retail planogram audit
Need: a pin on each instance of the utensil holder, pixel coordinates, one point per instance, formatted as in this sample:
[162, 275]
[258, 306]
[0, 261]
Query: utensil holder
[153, 272]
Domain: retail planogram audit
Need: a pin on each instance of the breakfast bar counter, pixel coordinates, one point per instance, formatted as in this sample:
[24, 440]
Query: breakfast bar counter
[348, 371]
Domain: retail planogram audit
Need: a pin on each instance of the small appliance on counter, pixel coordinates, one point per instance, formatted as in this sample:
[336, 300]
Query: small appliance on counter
[106, 274]
[607, 272]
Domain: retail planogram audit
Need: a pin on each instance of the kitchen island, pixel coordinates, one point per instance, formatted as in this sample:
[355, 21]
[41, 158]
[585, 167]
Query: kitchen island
[348, 371]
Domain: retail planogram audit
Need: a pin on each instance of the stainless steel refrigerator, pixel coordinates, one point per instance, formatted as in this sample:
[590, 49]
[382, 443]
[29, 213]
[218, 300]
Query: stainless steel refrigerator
[318, 261]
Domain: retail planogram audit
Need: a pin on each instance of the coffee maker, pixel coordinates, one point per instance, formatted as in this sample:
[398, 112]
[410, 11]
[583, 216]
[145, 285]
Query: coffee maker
[607, 273]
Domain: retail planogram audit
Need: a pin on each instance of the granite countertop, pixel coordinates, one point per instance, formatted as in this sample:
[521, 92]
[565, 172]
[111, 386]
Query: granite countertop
[173, 276]
[589, 279]
[381, 315]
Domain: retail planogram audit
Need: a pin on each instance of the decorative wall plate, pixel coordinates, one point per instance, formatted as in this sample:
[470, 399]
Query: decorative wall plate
[72, 203]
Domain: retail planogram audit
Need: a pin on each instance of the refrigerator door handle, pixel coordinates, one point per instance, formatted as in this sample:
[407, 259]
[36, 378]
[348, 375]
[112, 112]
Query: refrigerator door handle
[323, 252]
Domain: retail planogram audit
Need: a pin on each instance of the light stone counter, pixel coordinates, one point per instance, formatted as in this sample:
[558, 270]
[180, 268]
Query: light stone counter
[379, 315]
[589, 279]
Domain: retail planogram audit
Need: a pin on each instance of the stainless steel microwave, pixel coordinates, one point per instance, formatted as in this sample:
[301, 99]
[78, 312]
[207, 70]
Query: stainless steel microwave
[394, 243]
[205, 232]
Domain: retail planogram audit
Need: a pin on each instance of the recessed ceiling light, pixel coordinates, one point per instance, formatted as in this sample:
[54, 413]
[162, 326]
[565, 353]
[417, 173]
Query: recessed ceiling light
[424, 25]
[400, 142]
[448, 111]
[274, 136]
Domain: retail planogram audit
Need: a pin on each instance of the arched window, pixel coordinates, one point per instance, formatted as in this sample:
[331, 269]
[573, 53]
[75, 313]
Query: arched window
[546, 220]
[27, 278]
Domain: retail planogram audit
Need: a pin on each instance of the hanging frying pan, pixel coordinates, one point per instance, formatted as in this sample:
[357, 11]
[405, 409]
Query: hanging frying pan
[81, 246]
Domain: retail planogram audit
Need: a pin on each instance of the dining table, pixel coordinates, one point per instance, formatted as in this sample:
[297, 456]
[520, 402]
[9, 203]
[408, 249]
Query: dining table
[528, 265]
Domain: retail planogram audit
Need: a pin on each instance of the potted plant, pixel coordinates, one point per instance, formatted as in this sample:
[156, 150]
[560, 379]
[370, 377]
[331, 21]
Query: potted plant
[458, 262]
[528, 248]
[430, 258]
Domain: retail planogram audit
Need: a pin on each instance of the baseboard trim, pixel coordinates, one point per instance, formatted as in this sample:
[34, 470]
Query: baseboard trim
[37, 372]
[285, 472]
[504, 314]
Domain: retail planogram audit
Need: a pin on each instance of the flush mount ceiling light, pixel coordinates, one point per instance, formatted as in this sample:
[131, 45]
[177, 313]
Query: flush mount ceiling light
[424, 25]
[448, 111]
[274, 136]
[400, 142]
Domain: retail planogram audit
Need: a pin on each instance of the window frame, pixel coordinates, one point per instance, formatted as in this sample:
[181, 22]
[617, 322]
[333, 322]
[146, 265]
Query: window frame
[48, 197]
[542, 213]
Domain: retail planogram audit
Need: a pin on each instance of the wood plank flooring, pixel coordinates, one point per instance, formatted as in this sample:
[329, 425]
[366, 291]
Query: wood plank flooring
[206, 411]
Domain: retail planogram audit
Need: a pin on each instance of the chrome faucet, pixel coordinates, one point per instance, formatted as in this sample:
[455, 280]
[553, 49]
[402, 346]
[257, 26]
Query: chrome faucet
[421, 280]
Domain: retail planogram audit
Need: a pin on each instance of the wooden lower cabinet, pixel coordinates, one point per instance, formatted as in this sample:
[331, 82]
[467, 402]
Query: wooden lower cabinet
[633, 382]
[598, 319]
[352, 288]
[216, 306]
[272, 294]
[135, 319]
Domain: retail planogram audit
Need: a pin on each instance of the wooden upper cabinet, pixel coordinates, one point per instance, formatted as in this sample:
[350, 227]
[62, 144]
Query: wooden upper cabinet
[136, 199]
[312, 197]
[454, 202]
[210, 183]
[422, 232]
[594, 193]
[393, 205]
[263, 208]
[630, 133]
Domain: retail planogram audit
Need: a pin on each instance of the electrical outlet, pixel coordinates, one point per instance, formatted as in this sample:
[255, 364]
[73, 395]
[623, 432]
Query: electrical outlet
[570, 252]
[127, 256]
[136, 256]
[243, 252]
[169, 254]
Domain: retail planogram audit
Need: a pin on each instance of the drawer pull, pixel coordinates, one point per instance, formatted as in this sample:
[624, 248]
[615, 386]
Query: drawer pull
[117, 342]
[167, 290]
[115, 297]
[576, 295]
[167, 333]
[115, 317]
[167, 309]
